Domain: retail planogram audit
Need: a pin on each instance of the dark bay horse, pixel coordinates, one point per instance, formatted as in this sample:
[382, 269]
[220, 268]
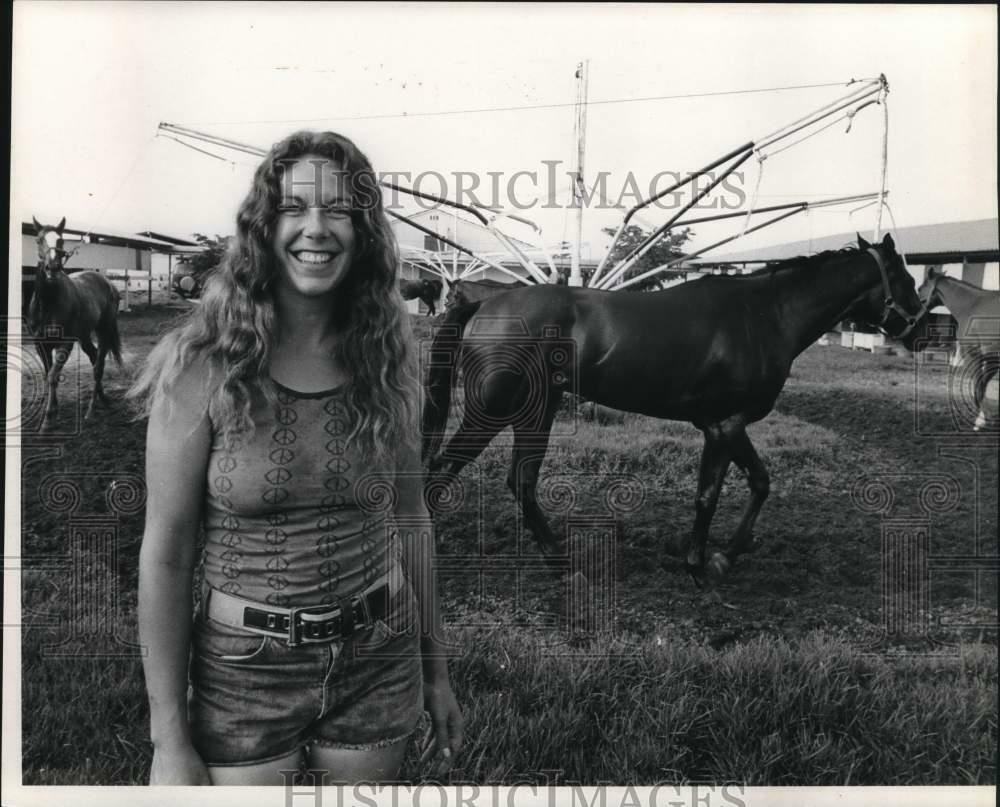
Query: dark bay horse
[977, 312]
[427, 289]
[463, 292]
[70, 308]
[715, 352]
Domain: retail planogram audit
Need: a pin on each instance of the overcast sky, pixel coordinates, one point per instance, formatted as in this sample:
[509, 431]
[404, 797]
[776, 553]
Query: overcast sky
[91, 81]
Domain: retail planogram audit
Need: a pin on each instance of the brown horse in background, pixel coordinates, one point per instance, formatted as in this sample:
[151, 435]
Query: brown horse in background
[463, 292]
[70, 308]
[977, 312]
[714, 352]
[427, 290]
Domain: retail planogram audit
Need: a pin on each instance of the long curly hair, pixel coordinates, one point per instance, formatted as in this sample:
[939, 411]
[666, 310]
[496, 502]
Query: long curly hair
[231, 331]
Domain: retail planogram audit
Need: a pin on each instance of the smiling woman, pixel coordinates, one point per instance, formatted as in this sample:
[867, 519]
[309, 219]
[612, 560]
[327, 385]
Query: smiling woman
[281, 418]
[314, 238]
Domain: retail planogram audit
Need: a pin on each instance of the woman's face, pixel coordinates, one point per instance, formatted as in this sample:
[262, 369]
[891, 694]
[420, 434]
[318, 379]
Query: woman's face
[314, 239]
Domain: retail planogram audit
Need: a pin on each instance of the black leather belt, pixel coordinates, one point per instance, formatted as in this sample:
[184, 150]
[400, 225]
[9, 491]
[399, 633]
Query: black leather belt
[309, 625]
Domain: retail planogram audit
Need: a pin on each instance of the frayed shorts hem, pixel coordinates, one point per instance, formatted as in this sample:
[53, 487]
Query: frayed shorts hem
[336, 745]
[246, 763]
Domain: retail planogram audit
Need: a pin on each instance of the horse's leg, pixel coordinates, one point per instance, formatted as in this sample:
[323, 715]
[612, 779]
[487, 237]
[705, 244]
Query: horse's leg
[102, 353]
[987, 368]
[103, 345]
[465, 445]
[88, 347]
[59, 358]
[981, 381]
[745, 456]
[528, 455]
[715, 460]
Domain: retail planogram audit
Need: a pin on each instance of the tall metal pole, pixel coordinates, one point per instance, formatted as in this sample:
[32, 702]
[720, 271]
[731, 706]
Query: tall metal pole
[885, 155]
[575, 277]
[454, 252]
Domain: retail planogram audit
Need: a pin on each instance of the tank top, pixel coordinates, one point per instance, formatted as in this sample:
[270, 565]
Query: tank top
[292, 518]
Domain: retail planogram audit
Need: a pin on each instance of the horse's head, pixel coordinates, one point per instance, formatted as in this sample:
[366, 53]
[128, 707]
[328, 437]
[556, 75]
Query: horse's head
[432, 287]
[49, 240]
[892, 305]
[455, 295]
[928, 291]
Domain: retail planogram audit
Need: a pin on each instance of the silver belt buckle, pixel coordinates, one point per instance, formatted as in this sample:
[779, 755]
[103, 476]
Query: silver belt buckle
[290, 617]
[308, 618]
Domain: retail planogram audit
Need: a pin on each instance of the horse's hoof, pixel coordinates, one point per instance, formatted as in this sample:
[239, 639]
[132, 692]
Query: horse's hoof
[673, 564]
[697, 575]
[719, 566]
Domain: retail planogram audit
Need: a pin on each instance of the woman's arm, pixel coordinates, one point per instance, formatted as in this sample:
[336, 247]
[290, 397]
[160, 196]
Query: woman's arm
[178, 441]
[417, 537]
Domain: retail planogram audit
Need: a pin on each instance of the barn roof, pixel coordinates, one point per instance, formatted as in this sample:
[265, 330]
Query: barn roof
[170, 239]
[472, 225]
[948, 242]
[112, 237]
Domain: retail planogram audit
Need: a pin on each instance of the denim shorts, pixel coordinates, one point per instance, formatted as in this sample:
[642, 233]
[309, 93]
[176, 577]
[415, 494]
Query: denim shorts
[254, 699]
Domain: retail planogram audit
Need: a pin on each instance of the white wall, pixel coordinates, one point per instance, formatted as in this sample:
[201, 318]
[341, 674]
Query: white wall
[89, 256]
[104, 258]
[991, 276]
[160, 267]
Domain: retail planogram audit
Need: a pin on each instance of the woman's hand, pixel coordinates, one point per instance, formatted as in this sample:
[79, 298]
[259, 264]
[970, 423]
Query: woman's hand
[447, 725]
[178, 764]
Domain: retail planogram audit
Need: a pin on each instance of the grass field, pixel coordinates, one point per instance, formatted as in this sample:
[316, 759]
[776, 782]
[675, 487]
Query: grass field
[781, 675]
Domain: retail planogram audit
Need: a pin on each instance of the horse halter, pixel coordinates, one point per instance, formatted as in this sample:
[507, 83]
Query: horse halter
[61, 256]
[890, 306]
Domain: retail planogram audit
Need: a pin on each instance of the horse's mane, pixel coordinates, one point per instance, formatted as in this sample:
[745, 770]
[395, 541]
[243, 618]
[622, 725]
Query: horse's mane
[495, 284]
[960, 282]
[801, 261]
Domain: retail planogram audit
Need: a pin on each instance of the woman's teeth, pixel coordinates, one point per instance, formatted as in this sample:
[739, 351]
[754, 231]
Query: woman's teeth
[314, 257]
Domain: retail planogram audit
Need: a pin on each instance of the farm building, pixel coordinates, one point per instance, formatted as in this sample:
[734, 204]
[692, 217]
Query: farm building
[141, 263]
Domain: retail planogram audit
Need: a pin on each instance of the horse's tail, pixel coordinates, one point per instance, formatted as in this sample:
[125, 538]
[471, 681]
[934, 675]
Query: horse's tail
[110, 326]
[437, 398]
[114, 338]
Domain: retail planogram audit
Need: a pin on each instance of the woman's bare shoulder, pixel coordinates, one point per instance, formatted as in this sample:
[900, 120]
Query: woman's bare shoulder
[188, 394]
